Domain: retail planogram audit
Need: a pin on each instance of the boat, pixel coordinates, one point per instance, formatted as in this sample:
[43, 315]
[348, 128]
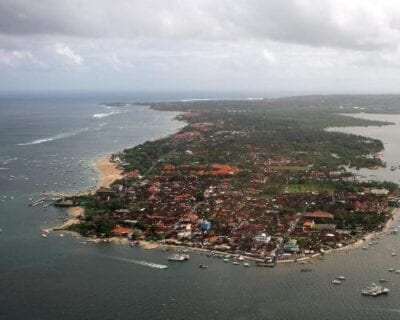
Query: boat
[44, 235]
[341, 278]
[235, 263]
[336, 281]
[177, 257]
[226, 260]
[246, 264]
[240, 258]
[391, 269]
[203, 266]
[364, 248]
[397, 271]
[374, 290]
[382, 280]
[269, 262]
[37, 202]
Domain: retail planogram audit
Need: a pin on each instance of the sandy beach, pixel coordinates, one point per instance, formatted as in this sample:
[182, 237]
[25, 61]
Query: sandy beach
[108, 172]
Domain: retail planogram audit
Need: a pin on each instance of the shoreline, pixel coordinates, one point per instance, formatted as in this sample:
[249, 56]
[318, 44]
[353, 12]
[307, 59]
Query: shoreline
[77, 212]
[108, 172]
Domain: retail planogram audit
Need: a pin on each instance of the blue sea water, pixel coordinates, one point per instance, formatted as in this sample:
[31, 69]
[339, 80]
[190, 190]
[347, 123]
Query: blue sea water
[48, 143]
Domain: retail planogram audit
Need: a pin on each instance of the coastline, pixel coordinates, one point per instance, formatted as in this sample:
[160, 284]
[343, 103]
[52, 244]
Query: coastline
[108, 172]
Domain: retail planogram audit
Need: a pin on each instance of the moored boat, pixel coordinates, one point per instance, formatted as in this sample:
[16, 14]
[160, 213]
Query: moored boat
[269, 262]
[374, 290]
[177, 257]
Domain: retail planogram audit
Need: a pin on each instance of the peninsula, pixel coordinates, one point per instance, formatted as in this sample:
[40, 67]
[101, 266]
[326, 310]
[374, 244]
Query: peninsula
[253, 177]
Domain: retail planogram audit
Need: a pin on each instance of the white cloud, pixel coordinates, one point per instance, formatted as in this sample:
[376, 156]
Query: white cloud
[204, 44]
[18, 58]
[269, 57]
[66, 52]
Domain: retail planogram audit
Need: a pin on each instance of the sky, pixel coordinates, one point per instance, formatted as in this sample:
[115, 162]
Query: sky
[299, 46]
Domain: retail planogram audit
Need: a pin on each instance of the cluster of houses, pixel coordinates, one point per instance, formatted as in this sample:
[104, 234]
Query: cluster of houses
[197, 205]
[221, 206]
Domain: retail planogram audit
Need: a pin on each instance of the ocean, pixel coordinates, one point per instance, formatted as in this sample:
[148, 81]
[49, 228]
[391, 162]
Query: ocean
[48, 143]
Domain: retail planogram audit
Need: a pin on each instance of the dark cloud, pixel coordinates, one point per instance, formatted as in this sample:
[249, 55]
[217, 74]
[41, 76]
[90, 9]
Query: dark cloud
[333, 23]
[211, 44]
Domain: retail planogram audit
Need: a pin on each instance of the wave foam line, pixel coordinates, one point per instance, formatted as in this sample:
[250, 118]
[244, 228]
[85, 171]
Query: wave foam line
[52, 138]
[104, 115]
[220, 99]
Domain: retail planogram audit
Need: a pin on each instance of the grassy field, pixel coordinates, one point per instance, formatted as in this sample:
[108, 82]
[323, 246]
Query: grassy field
[308, 187]
[290, 168]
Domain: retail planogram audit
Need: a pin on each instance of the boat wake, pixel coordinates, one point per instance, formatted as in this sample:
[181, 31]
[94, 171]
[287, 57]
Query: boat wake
[55, 137]
[141, 263]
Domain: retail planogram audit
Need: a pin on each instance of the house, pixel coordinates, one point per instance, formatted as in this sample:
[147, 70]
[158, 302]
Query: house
[122, 231]
[263, 238]
[291, 246]
[318, 215]
[309, 224]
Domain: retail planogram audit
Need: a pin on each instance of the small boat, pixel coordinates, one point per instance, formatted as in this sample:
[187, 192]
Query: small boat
[393, 254]
[177, 257]
[236, 263]
[364, 248]
[226, 260]
[44, 235]
[203, 266]
[382, 280]
[397, 271]
[240, 258]
[269, 262]
[391, 269]
[336, 281]
[341, 278]
[246, 264]
[374, 290]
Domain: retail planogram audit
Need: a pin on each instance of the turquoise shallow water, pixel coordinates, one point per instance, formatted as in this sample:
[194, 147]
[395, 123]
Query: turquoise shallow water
[61, 278]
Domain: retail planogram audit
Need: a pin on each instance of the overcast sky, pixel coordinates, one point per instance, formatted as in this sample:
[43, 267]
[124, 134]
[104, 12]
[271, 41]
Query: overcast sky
[219, 45]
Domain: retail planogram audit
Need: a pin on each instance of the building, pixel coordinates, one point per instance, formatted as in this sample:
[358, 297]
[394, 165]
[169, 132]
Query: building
[291, 246]
[205, 225]
[263, 238]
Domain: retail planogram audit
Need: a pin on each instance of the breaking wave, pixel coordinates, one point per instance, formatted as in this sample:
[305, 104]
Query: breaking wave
[220, 99]
[104, 115]
[7, 160]
[52, 138]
